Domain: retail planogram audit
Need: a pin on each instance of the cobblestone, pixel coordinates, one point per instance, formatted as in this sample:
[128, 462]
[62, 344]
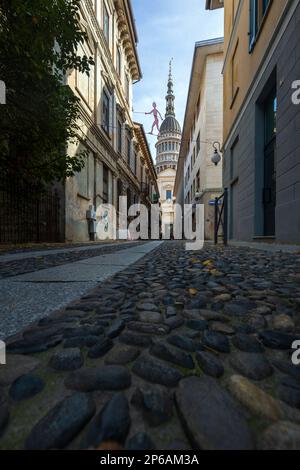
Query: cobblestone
[193, 338]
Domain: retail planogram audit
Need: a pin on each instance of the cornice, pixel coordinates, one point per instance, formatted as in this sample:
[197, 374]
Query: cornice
[101, 41]
[128, 39]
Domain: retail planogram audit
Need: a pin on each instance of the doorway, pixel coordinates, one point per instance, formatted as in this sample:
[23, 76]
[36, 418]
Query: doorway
[269, 189]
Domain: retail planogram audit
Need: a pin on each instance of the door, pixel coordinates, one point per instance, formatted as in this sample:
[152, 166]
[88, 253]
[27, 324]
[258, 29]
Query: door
[269, 190]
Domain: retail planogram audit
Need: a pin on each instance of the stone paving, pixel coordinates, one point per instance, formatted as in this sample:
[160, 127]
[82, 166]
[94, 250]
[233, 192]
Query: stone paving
[27, 298]
[34, 263]
[182, 350]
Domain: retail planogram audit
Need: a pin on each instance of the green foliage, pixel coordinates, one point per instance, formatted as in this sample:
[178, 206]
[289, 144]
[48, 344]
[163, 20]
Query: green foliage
[38, 46]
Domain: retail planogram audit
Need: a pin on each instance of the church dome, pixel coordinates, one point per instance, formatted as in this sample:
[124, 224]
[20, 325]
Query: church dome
[169, 125]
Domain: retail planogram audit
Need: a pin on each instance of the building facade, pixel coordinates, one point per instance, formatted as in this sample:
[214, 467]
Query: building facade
[198, 180]
[116, 165]
[149, 190]
[167, 152]
[261, 119]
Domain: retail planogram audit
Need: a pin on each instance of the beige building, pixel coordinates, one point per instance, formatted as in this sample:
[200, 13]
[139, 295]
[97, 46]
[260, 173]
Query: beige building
[167, 151]
[198, 180]
[149, 190]
[116, 164]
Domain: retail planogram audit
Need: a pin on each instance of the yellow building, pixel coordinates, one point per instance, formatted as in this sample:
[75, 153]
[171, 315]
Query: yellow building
[261, 122]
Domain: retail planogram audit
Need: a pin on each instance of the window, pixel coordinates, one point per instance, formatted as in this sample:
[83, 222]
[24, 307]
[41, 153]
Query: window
[135, 163]
[127, 86]
[198, 143]
[128, 148]
[84, 82]
[198, 181]
[83, 179]
[168, 195]
[118, 64]
[234, 73]
[105, 111]
[119, 136]
[264, 6]
[258, 9]
[105, 184]
[106, 23]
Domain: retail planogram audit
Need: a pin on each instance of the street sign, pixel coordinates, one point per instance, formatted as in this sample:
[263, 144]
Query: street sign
[213, 203]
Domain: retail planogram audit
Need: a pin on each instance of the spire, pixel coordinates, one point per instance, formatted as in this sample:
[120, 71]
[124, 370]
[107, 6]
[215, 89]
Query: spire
[170, 98]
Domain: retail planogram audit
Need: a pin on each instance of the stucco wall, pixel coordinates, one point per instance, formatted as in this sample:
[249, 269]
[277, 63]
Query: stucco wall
[248, 190]
[246, 64]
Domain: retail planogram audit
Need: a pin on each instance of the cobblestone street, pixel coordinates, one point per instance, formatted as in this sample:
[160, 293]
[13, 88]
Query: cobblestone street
[180, 350]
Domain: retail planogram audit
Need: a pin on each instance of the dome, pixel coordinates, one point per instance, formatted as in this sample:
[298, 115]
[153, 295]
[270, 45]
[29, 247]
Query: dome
[169, 125]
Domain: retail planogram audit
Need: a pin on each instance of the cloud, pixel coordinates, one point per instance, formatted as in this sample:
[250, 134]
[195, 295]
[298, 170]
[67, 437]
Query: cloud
[169, 28]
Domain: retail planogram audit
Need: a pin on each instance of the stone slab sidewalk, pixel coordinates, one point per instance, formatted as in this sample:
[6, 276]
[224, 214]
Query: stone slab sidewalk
[30, 297]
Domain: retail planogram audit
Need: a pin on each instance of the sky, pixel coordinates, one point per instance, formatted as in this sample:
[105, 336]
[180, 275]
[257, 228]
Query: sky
[169, 29]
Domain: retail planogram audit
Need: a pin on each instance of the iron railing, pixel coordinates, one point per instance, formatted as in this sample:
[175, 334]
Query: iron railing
[221, 217]
[29, 216]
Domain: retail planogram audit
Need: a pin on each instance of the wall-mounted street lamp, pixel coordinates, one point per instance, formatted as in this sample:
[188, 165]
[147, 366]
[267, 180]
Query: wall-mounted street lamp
[217, 157]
